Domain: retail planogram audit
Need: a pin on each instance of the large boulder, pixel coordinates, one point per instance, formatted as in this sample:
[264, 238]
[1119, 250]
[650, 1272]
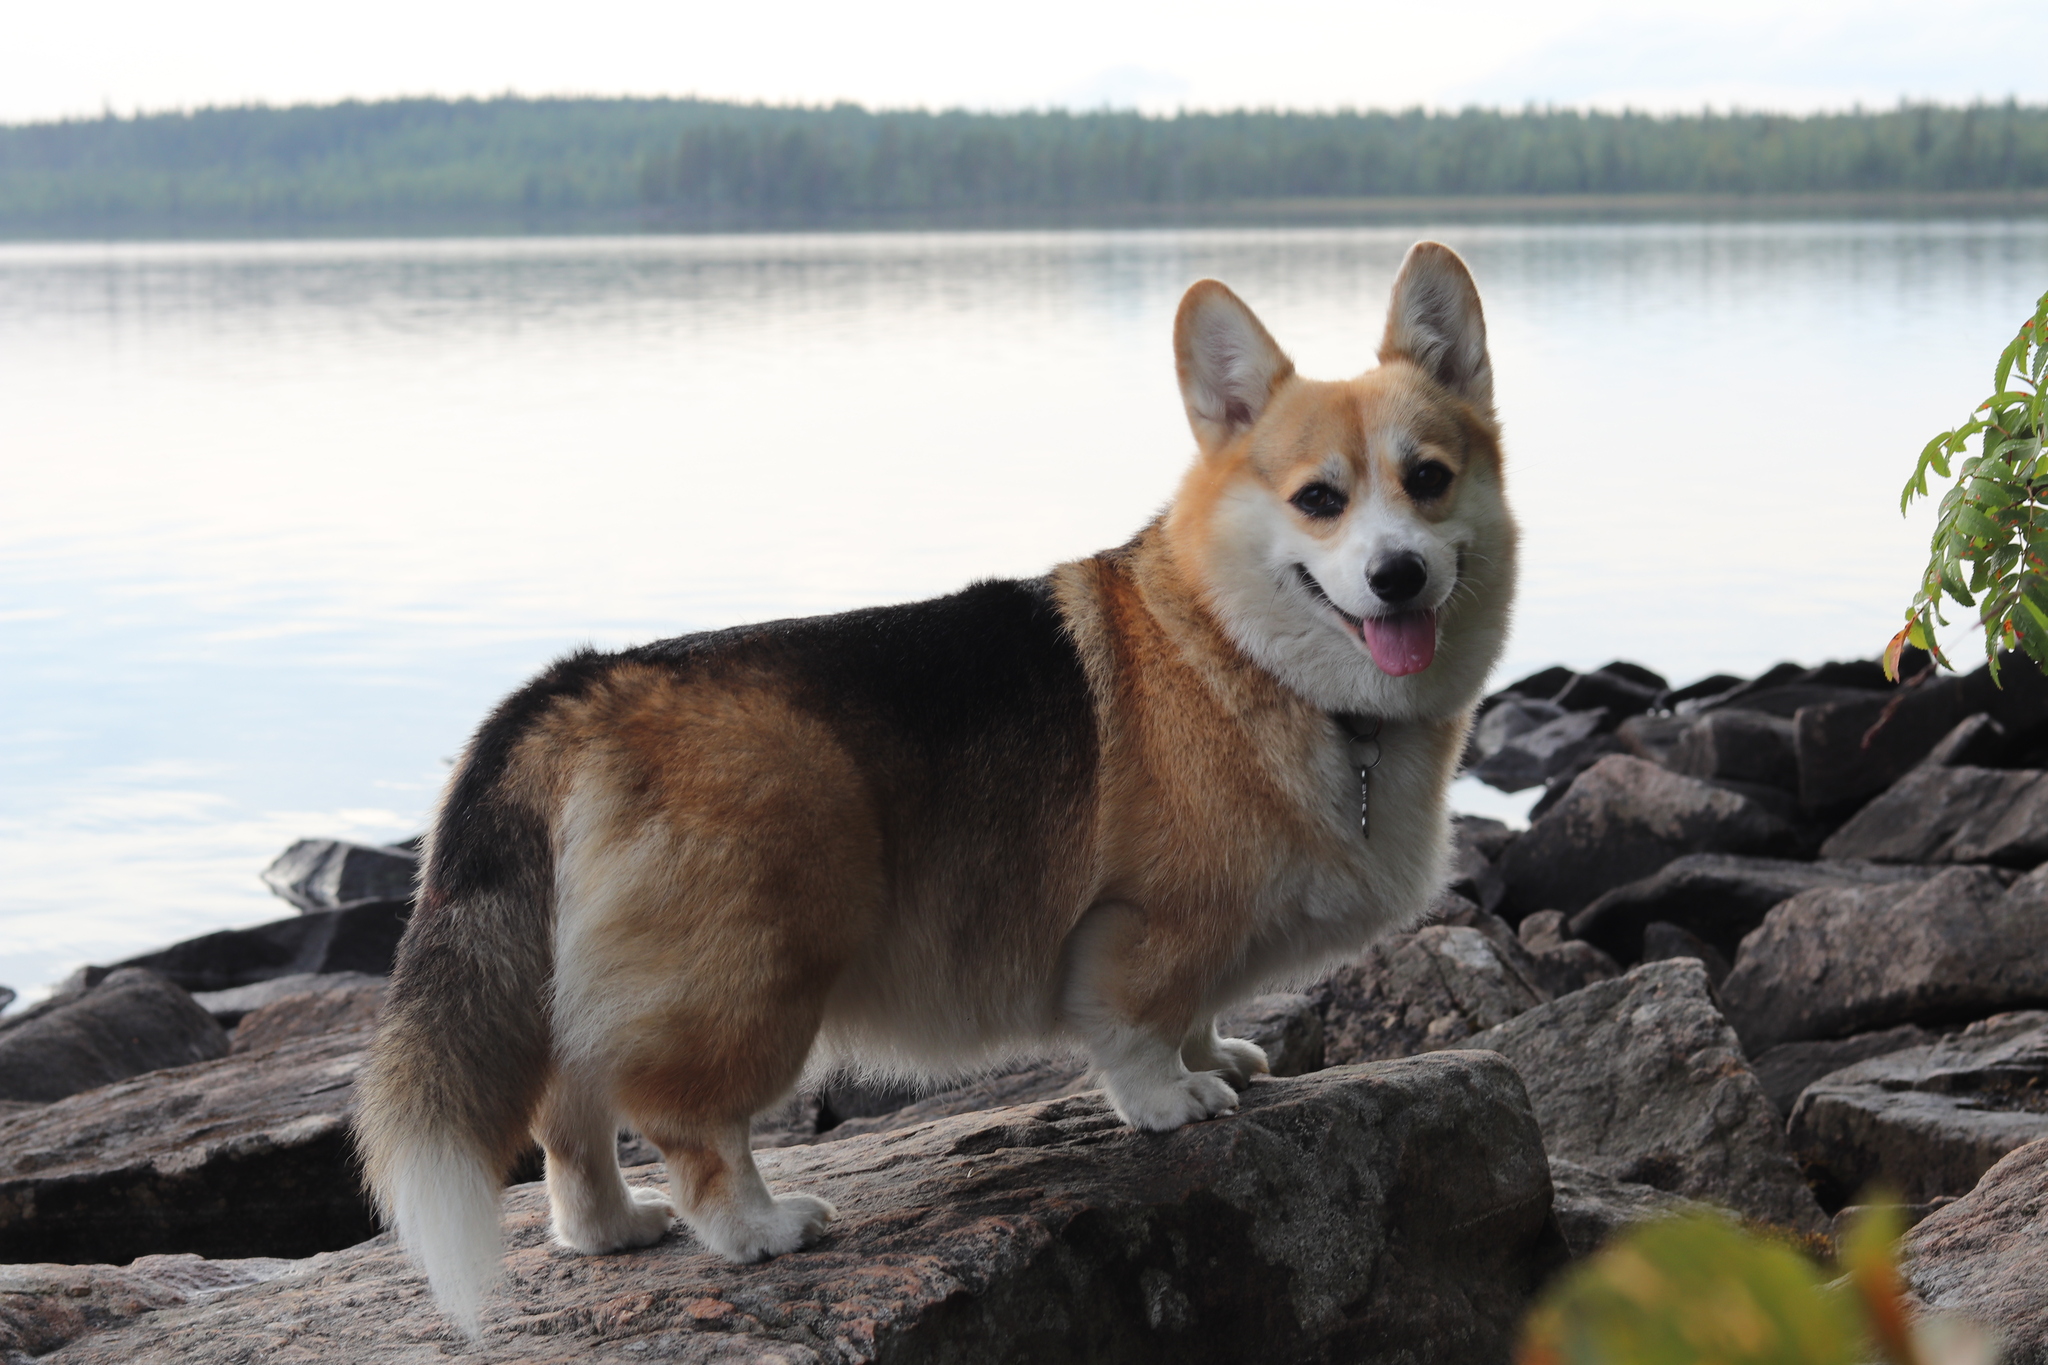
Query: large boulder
[1390, 1213]
[362, 938]
[1623, 819]
[1930, 1120]
[235, 1004]
[329, 874]
[1738, 746]
[44, 1306]
[1853, 748]
[1828, 963]
[1981, 1257]
[133, 1021]
[244, 1156]
[1937, 814]
[1642, 1080]
[1534, 756]
[1718, 896]
[347, 1001]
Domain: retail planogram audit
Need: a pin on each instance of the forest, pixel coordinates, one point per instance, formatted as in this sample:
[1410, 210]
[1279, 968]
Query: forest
[514, 164]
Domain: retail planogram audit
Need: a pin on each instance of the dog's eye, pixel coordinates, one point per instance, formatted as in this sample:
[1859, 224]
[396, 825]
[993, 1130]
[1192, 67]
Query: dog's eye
[1319, 500]
[1427, 480]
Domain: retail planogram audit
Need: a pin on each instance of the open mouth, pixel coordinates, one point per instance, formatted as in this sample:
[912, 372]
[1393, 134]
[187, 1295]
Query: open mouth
[1400, 642]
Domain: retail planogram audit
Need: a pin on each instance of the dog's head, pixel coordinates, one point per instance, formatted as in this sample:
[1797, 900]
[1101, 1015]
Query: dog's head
[1352, 537]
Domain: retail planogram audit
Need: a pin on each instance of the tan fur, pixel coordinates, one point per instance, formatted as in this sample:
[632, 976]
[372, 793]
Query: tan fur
[742, 890]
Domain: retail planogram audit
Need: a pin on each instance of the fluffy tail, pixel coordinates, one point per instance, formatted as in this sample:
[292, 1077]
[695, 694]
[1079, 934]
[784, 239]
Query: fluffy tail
[461, 1060]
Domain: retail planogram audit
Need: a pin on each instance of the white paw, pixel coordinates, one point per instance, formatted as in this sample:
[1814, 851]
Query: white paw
[792, 1221]
[1237, 1059]
[1162, 1107]
[640, 1222]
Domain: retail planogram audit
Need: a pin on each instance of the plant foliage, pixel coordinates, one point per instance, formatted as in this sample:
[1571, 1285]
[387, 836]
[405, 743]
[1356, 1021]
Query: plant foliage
[1990, 546]
[1698, 1291]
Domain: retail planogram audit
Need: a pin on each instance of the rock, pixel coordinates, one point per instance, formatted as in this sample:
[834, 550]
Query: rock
[1977, 742]
[361, 938]
[1562, 965]
[1981, 1257]
[1787, 1069]
[1837, 768]
[1390, 1213]
[1833, 962]
[1591, 1207]
[1929, 1120]
[6, 996]
[44, 1306]
[1652, 737]
[1702, 700]
[1738, 746]
[1662, 942]
[1687, 700]
[1028, 1082]
[1940, 814]
[1487, 838]
[1611, 690]
[1718, 896]
[1287, 1025]
[328, 874]
[351, 1004]
[244, 1156]
[1473, 875]
[1509, 717]
[1530, 758]
[1539, 686]
[1423, 991]
[1908, 1215]
[1624, 819]
[134, 1021]
[230, 1007]
[1642, 1080]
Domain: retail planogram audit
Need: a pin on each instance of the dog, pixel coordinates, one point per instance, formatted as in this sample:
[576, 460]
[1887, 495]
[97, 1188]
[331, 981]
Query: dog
[665, 884]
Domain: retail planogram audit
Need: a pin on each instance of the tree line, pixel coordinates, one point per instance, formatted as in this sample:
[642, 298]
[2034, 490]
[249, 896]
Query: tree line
[511, 163]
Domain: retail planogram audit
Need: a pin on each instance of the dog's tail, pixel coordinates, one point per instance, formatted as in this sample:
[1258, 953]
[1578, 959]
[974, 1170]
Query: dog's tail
[463, 1052]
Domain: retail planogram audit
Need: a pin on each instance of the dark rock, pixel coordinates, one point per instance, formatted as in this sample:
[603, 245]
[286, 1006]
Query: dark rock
[328, 874]
[72, 987]
[1543, 930]
[1508, 718]
[1928, 1120]
[1777, 675]
[6, 996]
[1542, 685]
[361, 938]
[1532, 756]
[1847, 756]
[229, 1007]
[1652, 737]
[1685, 700]
[44, 1306]
[1606, 690]
[1952, 815]
[1473, 875]
[1559, 783]
[1591, 1208]
[1833, 962]
[1662, 942]
[1787, 1069]
[1287, 1025]
[1981, 1257]
[1424, 991]
[1718, 896]
[1488, 838]
[1392, 1213]
[336, 1008]
[244, 1156]
[135, 1021]
[1977, 742]
[1738, 746]
[1641, 1079]
[1624, 819]
[1636, 674]
[1908, 1215]
[853, 1097]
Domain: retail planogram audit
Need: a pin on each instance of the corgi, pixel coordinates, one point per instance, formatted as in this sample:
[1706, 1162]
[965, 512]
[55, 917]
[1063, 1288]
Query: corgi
[665, 884]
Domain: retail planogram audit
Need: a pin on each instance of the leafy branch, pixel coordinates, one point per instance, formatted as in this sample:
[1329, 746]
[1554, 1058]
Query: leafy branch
[1990, 545]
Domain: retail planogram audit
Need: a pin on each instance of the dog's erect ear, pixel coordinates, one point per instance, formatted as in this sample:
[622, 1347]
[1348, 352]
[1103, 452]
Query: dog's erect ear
[1435, 322]
[1229, 365]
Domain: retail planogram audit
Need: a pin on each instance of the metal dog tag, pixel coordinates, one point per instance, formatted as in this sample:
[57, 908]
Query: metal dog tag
[1362, 745]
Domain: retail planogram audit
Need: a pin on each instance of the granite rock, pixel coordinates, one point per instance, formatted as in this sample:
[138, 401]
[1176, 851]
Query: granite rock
[133, 1021]
[1424, 991]
[1591, 1207]
[1397, 1212]
[1787, 1069]
[361, 938]
[230, 1007]
[1937, 814]
[44, 1306]
[1642, 1080]
[1981, 1257]
[1738, 746]
[330, 874]
[350, 1002]
[1961, 945]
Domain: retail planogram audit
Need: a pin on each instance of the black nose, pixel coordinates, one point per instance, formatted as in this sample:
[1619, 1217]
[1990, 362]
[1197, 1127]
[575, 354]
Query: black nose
[1398, 577]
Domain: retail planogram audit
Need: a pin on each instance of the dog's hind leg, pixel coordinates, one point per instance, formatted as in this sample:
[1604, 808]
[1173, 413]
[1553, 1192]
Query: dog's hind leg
[1237, 1060]
[714, 1180]
[595, 1211]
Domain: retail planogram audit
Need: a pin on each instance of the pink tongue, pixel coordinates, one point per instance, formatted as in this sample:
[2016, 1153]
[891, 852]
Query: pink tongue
[1403, 643]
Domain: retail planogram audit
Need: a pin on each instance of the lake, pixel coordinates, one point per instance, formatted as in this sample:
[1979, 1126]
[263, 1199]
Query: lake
[282, 520]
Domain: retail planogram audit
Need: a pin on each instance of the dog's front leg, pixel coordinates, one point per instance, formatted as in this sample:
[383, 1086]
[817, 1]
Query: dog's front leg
[1133, 1006]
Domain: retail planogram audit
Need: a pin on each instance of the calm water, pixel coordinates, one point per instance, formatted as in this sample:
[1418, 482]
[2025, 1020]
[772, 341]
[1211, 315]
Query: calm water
[280, 521]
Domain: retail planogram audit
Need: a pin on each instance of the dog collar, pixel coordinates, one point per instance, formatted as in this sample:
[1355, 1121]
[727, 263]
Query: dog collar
[1362, 746]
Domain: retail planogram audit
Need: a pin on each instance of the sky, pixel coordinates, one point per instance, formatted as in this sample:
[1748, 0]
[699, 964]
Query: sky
[84, 57]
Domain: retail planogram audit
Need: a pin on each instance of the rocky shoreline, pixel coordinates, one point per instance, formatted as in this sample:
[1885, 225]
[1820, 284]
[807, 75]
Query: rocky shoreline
[1766, 944]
